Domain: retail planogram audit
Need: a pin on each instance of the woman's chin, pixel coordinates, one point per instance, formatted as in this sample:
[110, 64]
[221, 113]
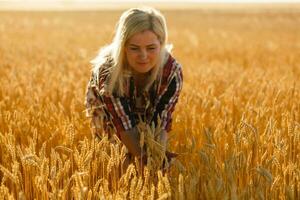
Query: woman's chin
[142, 70]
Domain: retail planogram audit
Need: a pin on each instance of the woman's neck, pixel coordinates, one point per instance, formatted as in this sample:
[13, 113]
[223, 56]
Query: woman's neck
[140, 80]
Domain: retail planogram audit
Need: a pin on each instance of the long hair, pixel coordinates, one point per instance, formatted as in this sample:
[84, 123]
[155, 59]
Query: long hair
[133, 21]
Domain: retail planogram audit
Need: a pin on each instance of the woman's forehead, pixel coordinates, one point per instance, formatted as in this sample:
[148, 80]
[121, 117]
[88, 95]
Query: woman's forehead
[144, 38]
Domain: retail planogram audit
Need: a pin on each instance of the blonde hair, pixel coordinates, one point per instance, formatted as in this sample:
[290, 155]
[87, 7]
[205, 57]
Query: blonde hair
[133, 21]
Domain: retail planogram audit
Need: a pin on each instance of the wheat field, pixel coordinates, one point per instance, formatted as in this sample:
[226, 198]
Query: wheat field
[236, 125]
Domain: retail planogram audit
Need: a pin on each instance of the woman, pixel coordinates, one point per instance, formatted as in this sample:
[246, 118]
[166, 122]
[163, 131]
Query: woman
[135, 80]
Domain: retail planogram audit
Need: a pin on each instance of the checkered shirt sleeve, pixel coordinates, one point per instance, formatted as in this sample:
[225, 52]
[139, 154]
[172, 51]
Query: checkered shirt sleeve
[105, 108]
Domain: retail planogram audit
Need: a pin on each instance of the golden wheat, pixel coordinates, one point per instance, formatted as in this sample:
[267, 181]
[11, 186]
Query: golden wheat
[236, 126]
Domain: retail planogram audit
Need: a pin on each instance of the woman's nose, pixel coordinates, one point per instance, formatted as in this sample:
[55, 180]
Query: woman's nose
[143, 54]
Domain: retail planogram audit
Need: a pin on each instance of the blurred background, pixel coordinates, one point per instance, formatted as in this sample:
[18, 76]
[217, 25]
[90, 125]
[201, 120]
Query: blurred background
[120, 4]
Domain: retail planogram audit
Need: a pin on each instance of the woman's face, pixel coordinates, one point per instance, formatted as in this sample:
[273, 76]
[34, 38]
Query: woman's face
[142, 51]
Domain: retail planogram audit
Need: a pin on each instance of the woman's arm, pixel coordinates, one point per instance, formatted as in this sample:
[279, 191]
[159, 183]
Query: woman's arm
[163, 139]
[116, 110]
[94, 109]
[169, 98]
[131, 139]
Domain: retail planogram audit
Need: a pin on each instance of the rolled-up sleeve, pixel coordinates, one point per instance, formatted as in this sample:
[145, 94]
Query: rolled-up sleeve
[107, 110]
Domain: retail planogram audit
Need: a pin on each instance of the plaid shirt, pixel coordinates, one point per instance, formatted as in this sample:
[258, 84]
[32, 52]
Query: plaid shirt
[120, 113]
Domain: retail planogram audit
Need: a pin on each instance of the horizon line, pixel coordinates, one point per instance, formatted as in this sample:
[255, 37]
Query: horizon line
[162, 4]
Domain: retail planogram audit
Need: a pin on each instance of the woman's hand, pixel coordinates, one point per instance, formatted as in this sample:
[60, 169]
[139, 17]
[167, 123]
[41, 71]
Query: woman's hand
[131, 139]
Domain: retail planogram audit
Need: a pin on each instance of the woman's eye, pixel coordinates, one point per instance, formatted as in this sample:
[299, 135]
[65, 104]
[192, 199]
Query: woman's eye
[137, 49]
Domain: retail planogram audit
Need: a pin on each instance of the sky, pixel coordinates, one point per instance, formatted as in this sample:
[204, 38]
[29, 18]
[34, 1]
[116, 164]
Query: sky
[94, 4]
[145, 1]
